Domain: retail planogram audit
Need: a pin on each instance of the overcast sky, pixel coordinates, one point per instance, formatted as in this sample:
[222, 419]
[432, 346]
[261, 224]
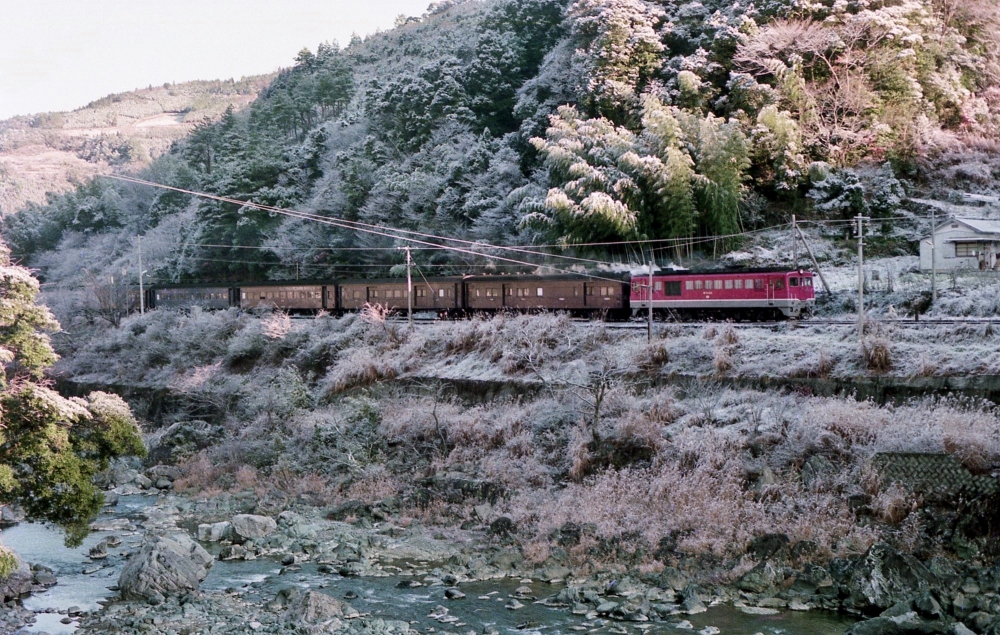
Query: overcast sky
[61, 54]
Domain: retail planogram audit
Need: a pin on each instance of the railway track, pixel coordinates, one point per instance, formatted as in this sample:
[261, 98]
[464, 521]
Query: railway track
[808, 323]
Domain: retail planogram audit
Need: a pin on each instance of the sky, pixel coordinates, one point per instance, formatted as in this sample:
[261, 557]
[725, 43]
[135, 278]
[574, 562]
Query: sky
[58, 55]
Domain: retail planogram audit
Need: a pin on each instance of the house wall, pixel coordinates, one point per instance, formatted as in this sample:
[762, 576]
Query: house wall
[944, 242]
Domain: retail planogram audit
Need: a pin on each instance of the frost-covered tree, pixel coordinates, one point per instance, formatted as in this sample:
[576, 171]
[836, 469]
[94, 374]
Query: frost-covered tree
[50, 446]
[618, 46]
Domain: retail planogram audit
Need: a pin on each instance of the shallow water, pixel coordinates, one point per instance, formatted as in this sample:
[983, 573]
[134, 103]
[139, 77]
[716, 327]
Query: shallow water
[262, 578]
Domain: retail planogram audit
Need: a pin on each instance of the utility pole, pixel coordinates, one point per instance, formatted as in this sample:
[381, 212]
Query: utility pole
[795, 245]
[813, 258]
[142, 296]
[861, 277]
[933, 257]
[649, 325]
[409, 287]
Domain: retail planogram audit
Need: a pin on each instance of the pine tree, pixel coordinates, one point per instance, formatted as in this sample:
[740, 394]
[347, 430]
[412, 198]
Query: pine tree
[50, 446]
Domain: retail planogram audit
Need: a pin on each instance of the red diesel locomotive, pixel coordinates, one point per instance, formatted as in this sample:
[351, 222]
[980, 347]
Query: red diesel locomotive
[761, 294]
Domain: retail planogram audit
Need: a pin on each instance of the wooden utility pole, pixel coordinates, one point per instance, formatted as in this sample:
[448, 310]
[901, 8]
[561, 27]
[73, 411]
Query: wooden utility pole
[861, 277]
[409, 287]
[933, 257]
[142, 296]
[813, 258]
[649, 325]
[795, 244]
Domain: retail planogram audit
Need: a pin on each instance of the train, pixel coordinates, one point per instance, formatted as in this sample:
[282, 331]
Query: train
[755, 294]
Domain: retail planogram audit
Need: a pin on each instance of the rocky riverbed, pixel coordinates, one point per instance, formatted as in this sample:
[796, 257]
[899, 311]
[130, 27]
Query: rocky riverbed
[160, 562]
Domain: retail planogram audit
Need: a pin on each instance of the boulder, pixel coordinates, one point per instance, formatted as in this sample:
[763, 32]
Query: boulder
[884, 576]
[164, 566]
[354, 509]
[18, 583]
[168, 472]
[317, 611]
[814, 469]
[245, 527]
[907, 624]
[759, 579]
[142, 482]
[9, 516]
[213, 532]
[768, 546]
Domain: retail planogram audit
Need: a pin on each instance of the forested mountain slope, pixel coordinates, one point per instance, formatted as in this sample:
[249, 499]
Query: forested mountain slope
[538, 120]
[54, 152]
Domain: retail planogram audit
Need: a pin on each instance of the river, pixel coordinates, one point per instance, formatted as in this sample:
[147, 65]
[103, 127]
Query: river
[84, 584]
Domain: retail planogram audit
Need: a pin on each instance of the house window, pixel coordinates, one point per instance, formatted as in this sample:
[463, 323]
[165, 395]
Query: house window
[728, 284]
[967, 250]
[698, 284]
[689, 284]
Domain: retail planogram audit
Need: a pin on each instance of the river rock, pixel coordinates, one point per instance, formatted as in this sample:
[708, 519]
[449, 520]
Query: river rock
[9, 516]
[99, 551]
[17, 583]
[692, 604]
[168, 472]
[318, 612]
[245, 527]
[112, 524]
[213, 532]
[143, 482]
[164, 566]
[884, 576]
[759, 579]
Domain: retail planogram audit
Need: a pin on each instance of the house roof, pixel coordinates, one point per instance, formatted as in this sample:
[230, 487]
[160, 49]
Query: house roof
[978, 225]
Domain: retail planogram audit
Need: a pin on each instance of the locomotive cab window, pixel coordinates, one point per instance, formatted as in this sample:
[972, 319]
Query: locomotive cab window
[807, 282]
[793, 282]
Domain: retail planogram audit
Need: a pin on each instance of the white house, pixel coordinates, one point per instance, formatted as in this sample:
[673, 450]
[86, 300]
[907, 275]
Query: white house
[962, 243]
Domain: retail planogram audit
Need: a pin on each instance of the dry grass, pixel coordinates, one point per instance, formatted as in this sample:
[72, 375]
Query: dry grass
[877, 354]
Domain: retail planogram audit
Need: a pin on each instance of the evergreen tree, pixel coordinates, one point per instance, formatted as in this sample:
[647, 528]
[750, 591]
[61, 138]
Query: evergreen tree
[50, 446]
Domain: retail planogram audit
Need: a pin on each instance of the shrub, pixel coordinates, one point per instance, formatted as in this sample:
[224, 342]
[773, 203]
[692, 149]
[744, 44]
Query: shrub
[877, 354]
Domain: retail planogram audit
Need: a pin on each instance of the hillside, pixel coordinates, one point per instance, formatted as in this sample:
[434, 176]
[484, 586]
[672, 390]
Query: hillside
[553, 122]
[54, 152]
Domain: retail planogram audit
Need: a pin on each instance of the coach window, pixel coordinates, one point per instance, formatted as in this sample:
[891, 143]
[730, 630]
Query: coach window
[539, 292]
[689, 284]
[729, 283]
[738, 283]
[698, 284]
[758, 283]
[718, 284]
